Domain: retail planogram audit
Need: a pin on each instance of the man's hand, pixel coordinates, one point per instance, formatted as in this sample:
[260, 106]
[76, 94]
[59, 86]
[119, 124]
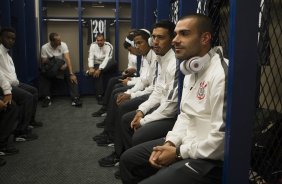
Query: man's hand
[153, 160]
[130, 71]
[7, 99]
[3, 105]
[63, 67]
[124, 81]
[97, 73]
[73, 78]
[135, 123]
[91, 71]
[44, 60]
[122, 98]
[163, 156]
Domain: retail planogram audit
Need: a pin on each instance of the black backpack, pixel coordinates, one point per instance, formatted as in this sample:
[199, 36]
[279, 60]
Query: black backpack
[267, 145]
[52, 67]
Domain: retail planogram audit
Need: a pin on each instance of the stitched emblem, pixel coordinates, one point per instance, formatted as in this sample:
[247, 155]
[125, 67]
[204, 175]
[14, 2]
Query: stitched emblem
[201, 91]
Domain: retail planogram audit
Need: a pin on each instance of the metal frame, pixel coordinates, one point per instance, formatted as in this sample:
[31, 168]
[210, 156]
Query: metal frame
[243, 59]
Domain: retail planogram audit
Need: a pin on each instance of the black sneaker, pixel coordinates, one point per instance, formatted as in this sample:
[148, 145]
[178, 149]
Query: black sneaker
[76, 102]
[8, 151]
[46, 102]
[117, 174]
[100, 136]
[101, 124]
[35, 123]
[26, 137]
[2, 162]
[106, 141]
[109, 161]
[100, 112]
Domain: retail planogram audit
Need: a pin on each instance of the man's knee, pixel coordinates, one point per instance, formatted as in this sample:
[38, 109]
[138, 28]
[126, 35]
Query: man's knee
[124, 108]
[128, 117]
[137, 138]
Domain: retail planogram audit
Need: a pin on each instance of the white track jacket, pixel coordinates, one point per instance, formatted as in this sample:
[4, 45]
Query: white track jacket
[100, 55]
[145, 83]
[200, 126]
[7, 69]
[165, 92]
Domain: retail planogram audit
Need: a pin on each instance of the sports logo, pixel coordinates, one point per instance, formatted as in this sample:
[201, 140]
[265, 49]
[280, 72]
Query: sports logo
[202, 90]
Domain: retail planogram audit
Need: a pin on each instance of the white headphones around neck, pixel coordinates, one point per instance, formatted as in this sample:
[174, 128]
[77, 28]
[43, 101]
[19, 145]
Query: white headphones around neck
[131, 42]
[196, 64]
[150, 39]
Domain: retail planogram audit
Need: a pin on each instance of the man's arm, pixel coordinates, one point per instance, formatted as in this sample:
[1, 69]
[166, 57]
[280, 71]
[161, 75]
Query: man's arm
[3, 105]
[44, 60]
[165, 95]
[7, 89]
[91, 59]
[44, 57]
[68, 62]
[108, 56]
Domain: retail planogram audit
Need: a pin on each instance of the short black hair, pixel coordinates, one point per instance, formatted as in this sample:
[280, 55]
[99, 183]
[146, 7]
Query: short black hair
[204, 23]
[100, 35]
[130, 37]
[52, 36]
[144, 34]
[7, 29]
[166, 24]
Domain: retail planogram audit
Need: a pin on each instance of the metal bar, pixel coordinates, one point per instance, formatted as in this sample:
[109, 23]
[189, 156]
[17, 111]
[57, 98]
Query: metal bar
[117, 34]
[241, 90]
[80, 34]
[82, 18]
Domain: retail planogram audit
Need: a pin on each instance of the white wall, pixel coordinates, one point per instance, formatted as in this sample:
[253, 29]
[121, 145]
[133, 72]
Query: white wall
[69, 30]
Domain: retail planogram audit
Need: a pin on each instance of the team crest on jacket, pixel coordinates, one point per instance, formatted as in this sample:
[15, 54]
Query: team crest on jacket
[202, 90]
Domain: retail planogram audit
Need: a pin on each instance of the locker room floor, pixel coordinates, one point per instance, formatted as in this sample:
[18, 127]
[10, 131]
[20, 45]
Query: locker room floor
[65, 152]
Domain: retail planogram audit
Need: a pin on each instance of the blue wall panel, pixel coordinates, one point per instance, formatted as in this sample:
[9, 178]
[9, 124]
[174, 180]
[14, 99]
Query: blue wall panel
[139, 14]
[31, 60]
[19, 52]
[133, 14]
[187, 7]
[150, 7]
[5, 13]
[163, 9]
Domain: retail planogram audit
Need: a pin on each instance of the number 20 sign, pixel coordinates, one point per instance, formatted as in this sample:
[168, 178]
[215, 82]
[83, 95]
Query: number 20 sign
[98, 26]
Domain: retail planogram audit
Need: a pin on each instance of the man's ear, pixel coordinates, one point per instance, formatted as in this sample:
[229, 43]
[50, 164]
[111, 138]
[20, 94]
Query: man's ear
[206, 38]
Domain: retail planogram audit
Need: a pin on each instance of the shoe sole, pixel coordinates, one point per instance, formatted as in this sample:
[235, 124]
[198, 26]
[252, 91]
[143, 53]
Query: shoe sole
[7, 154]
[20, 139]
[111, 145]
[74, 105]
[97, 115]
[49, 104]
[100, 126]
[98, 138]
[109, 165]
[104, 145]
